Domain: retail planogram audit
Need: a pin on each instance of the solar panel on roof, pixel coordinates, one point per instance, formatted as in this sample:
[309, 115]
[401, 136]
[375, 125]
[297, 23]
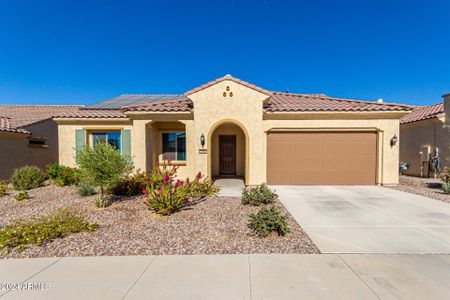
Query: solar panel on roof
[123, 100]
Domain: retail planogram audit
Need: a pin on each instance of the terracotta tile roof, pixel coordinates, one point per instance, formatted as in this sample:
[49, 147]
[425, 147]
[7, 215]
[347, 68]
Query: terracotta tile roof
[91, 113]
[6, 126]
[183, 105]
[276, 102]
[228, 77]
[423, 113]
[20, 116]
[286, 102]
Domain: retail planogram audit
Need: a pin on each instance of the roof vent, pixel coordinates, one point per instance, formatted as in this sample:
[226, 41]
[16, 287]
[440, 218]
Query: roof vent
[380, 100]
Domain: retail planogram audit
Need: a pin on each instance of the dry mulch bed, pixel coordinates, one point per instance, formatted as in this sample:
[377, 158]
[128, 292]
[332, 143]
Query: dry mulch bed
[428, 187]
[217, 225]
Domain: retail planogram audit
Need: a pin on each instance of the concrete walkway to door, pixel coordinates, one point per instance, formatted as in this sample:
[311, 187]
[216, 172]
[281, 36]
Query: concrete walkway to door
[230, 187]
[368, 219]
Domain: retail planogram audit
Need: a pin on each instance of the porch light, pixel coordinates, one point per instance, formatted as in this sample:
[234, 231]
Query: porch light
[394, 140]
[202, 140]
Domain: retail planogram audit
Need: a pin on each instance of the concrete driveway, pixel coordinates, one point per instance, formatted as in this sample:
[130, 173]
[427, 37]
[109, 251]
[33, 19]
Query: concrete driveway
[368, 219]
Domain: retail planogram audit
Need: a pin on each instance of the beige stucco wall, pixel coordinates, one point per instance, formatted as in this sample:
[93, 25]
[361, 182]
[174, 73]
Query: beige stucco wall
[245, 110]
[145, 144]
[155, 130]
[15, 151]
[428, 133]
[387, 165]
[66, 133]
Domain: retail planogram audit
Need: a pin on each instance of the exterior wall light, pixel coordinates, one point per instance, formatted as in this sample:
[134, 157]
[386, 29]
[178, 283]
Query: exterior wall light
[394, 140]
[202, 140]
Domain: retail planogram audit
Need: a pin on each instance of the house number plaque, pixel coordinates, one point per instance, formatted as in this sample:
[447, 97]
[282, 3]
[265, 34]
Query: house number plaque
[202, 151]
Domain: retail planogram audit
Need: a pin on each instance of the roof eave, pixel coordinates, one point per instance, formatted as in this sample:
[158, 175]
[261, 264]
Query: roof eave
[335, 114]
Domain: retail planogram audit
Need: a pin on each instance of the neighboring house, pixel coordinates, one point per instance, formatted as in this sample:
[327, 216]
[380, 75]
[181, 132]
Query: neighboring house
[28, 136]
[422, 132]
[229, 127]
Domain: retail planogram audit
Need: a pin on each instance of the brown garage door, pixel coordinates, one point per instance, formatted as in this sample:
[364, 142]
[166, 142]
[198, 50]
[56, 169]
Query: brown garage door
[325, 158]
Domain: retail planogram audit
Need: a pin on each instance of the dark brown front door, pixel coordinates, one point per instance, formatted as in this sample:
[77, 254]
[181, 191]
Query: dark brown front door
[227, 154]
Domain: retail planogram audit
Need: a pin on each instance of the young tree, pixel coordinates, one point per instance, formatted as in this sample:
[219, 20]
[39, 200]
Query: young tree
[102, 167]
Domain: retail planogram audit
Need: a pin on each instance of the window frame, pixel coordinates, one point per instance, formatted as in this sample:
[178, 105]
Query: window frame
[176, 161]
[93, 132]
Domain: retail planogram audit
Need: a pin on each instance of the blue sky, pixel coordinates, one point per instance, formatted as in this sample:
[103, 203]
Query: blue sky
[80, 52]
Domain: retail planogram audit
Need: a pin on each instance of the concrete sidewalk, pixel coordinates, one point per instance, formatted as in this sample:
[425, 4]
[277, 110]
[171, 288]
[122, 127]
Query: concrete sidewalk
[322, 276]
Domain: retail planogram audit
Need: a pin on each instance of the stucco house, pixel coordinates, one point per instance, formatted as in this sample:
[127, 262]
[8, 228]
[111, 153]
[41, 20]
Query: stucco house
[28, 136]
[229, 127]
[425, 134]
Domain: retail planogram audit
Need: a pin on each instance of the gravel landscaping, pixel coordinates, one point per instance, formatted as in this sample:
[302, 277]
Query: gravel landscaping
[428, 187]
[216, 225]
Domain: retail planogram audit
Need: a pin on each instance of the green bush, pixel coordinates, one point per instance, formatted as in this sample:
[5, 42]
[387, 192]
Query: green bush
[85, 190]
[165, 195]
[52, 171]
[27, 177]
[3, 188]
[267, 220]
[21, 234]
[62, 175]
[130, 186]
[445, 177]
[103, 166]
[446, 187]
[200, 187]
[22, 196]
[258, 195]
[167, 199]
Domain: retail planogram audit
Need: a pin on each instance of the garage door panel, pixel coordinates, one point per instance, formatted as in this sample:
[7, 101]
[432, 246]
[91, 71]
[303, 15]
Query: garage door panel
[325, 158]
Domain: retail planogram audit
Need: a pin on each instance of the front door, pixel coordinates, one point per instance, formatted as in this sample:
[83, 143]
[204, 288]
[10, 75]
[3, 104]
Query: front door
[227, 154]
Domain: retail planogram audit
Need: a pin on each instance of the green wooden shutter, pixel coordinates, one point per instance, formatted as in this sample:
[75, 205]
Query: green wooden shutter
[125, 138]
[80, 139]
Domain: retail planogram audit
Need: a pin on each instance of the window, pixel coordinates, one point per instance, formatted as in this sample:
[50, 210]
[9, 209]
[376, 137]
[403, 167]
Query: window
[174, 145]
[112, 137]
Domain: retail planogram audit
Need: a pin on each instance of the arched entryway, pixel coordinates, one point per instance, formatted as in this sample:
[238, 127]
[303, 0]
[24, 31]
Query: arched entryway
[228, 155]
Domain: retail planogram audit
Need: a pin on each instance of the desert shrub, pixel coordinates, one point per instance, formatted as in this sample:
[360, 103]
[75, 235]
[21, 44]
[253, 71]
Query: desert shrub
[168, 198]
[27, 177]
[3, 188]
[445, 177]
[85, 190]
[258, 195]
[22, 196]
[165, 195]
[267, 220]
[62, 175]
[102, 166]
[200, 187]
[131, 185]
[21, 234]
[446, 187]
[52, 171]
